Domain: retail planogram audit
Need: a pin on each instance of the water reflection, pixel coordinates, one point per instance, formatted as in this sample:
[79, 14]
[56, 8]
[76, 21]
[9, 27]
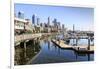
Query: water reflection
[78, 55]
[53, 54]
[44, 51]
[22, 55]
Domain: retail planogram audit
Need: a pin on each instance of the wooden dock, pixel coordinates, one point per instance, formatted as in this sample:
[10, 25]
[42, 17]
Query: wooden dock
[61, 44]
[79, 49]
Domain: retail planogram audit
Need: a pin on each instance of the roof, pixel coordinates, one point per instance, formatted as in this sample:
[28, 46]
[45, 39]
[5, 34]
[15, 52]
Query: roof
[19, 19]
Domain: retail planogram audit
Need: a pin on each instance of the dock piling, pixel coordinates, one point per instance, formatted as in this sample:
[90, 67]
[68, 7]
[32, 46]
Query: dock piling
[89, 43]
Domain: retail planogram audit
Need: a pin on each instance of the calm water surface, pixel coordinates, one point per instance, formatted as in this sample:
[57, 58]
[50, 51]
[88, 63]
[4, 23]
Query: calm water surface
[44, 51]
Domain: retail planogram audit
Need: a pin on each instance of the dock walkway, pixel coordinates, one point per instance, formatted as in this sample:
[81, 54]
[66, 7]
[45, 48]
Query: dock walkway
[26, 36]
[80, 49]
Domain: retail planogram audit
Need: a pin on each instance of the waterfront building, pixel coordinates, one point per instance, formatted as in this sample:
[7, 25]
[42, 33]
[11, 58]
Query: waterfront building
[19, 25]
[29, 26]
[22, 25]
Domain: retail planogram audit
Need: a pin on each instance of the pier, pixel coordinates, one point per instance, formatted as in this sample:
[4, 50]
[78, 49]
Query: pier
[26, 37]
[79, 49]
[18, 39]
[41, 38]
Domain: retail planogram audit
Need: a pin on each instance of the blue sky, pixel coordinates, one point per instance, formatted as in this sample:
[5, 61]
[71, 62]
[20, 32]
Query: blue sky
[82, 18]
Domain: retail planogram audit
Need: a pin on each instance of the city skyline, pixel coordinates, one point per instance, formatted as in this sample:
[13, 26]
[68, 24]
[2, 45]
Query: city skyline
[82, 18]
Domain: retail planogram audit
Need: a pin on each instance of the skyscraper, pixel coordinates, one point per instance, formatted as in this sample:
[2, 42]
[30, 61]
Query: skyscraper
[73, 28]
[55, 22]
[59, 25]
[63, 27]
[38, 21]
[33, 19]
[21, 14]
[48, 21]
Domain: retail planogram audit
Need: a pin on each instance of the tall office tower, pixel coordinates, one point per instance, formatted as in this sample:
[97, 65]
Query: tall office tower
[33, 19]
[21, 14]
[59, 25]
[48, 21]
[73, 28]
[55, 22]
[38, 21]
[63, 27]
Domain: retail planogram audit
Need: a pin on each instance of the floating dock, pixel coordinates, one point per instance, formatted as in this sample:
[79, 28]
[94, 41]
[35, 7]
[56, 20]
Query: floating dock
[79, 49]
